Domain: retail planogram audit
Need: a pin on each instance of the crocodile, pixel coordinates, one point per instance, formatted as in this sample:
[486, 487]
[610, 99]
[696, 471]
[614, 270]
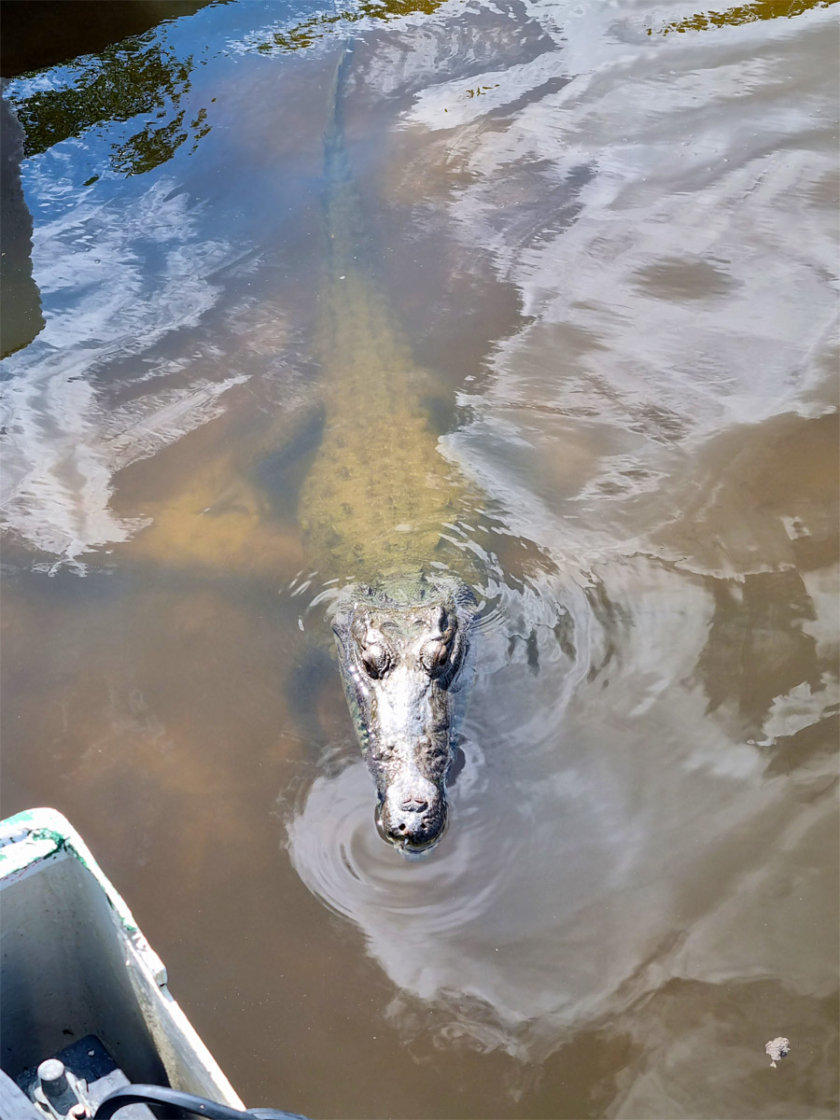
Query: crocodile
[376, 510]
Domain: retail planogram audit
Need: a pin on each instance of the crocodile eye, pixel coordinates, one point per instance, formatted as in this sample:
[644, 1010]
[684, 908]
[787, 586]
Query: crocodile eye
[434, 656]
[377, 660]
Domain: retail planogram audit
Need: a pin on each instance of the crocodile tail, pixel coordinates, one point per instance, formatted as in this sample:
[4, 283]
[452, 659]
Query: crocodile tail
[345, 224]
[336, 162]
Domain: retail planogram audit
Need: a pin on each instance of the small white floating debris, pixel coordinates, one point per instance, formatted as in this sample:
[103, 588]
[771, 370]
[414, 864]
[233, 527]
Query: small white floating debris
[776, 1049]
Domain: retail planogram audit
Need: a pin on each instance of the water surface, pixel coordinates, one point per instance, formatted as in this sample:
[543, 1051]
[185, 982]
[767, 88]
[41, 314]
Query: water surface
[608, 233]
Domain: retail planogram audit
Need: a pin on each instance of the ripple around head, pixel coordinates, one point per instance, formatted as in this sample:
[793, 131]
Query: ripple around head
[423, 915]
[338, 854]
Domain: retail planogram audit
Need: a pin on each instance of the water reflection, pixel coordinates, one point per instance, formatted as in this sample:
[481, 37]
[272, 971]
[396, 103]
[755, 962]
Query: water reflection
[618, 254]
[58, 481]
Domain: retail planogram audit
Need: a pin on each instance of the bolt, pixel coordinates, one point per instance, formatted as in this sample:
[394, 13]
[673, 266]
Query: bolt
[53, 1078]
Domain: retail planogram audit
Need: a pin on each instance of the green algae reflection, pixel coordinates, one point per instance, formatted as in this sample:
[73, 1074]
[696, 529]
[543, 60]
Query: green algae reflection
[744, 13]
[129, 79]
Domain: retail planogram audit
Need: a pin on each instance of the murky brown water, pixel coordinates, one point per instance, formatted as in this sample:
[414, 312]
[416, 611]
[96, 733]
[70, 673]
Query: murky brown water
[610, 232]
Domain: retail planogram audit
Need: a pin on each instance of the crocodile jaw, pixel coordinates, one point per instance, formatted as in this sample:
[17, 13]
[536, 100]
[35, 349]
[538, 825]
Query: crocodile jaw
[402, 652]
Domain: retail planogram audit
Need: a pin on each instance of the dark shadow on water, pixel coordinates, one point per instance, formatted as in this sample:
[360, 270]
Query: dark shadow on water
[53, 31]
[20, 300]
[757, 649]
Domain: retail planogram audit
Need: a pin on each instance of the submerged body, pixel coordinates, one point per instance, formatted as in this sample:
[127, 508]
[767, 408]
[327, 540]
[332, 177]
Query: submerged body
[375, 509]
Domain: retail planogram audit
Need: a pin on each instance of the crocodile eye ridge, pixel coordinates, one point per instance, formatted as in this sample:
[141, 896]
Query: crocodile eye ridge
[434, 655]
[377, 659]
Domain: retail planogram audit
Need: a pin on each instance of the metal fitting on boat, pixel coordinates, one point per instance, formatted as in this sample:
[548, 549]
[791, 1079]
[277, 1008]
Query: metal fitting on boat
[57, 1093]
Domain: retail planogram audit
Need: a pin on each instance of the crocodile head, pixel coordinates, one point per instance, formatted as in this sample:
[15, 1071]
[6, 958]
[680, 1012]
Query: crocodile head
[402, 650]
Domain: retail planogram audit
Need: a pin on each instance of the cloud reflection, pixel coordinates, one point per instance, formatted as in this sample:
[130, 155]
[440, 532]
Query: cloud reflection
[116, 279]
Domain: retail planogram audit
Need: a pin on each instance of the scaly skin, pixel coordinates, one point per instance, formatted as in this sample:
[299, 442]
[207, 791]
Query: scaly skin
[379, 494]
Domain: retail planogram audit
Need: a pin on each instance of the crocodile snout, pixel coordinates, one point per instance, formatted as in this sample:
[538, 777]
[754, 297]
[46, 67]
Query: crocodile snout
[412, 821]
